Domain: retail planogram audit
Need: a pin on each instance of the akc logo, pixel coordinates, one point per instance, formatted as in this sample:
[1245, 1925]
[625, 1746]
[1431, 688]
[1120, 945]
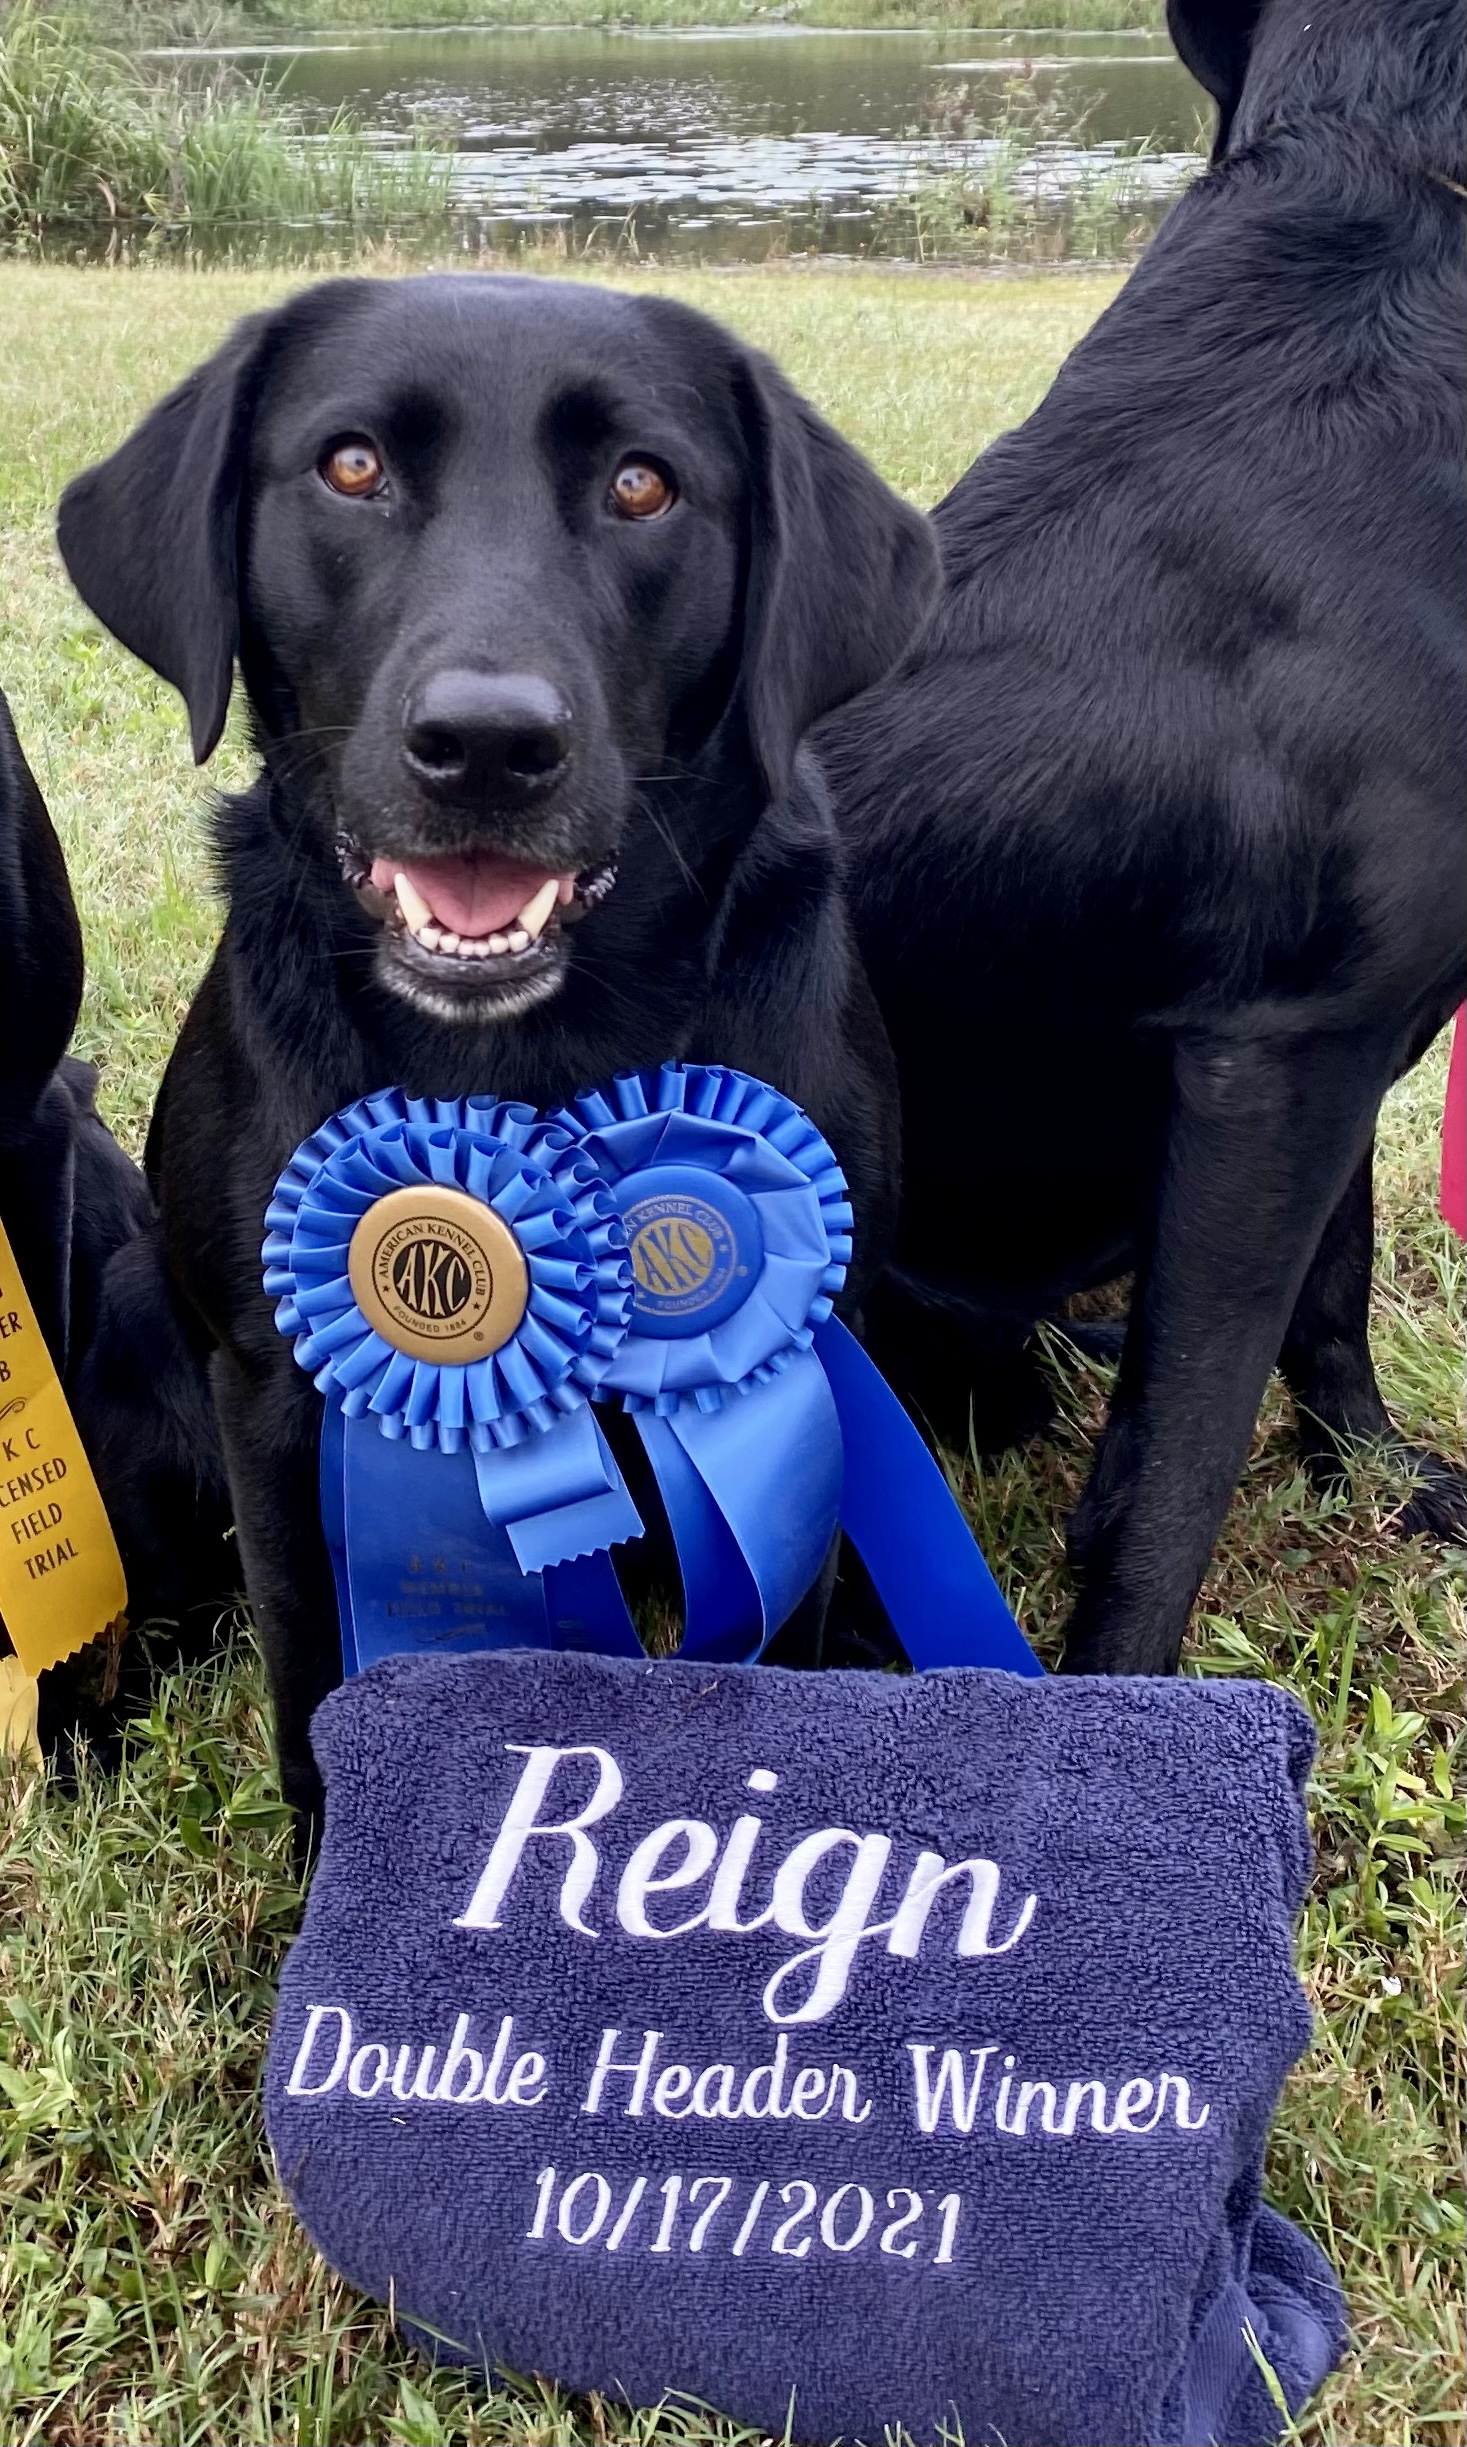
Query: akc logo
[683, 1254]
[438, 1274]
[433, 1280]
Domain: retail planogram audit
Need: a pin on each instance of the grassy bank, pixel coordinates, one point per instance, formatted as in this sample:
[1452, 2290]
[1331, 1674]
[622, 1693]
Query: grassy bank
[155, 2289]
[255, 19]
[89, 139]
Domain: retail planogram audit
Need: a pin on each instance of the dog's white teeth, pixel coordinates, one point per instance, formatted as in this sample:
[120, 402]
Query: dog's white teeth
[565, 890]
[419, 920]
[412, 904]
[533, 916]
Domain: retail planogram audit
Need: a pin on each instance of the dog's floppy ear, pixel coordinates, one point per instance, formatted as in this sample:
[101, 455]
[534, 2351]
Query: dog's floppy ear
[150, 537]
[1213, 39]
[841, 570]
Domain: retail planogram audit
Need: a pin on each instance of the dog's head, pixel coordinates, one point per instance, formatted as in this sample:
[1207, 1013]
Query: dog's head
[497, 557]
[1384, 70]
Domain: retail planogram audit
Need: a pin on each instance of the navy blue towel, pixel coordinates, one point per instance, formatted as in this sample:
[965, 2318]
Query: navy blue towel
[842, 2050]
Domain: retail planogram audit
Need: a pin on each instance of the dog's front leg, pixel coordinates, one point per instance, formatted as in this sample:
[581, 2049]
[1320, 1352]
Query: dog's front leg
[270, 1430]
[1326, 1360]
[1263, 1136]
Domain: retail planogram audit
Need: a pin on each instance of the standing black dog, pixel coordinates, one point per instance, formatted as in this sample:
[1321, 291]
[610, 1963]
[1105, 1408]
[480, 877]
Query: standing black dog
[534, 589]
[1158, 844]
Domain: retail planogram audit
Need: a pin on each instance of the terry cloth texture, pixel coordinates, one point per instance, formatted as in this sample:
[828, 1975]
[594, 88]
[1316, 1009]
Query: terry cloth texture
[636, 2036]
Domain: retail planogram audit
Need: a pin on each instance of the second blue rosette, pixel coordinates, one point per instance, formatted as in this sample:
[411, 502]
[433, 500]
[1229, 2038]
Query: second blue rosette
[738, 1224]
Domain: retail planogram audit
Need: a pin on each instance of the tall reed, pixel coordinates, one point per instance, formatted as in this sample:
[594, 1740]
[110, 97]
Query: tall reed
[87, 136]
[1031, 186]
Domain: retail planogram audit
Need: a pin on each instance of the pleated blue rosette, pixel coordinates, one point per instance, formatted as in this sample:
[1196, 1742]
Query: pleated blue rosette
[766, 1425]
[519, 1486]
[739, 1220]
[537, 1180]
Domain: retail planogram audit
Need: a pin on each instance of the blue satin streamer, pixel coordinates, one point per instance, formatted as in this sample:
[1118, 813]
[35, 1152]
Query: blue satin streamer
[898, 1511]
[720, 1594]
[586, 1609]
[753, 1494]
[333, 1522]
[419, 1566]
[559, 1495]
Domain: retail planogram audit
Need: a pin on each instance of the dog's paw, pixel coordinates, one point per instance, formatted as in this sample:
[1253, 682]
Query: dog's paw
[1436, 1507]
[81, 1713]
[1421, 1493]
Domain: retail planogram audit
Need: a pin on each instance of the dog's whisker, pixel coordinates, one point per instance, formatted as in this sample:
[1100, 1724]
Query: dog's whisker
[669, 842]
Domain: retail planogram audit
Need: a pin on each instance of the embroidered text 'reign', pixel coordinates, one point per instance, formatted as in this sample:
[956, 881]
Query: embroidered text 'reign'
[687, 1853]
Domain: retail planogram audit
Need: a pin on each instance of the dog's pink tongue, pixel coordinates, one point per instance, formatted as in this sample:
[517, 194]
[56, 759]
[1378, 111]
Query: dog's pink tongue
[473, 894]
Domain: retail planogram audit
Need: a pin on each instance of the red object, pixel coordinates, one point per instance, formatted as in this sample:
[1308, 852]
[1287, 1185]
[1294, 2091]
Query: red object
[1454, 1133]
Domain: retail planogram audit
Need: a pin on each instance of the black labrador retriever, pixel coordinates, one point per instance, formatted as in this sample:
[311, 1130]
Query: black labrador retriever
[534, 589]
[70, 1200]
[1158, 865]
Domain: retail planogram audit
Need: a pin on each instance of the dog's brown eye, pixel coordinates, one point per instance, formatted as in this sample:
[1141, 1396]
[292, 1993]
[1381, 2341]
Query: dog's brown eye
[353, 467]
[640, 490]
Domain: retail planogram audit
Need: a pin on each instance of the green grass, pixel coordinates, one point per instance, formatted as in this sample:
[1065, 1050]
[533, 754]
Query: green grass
[155, 2288]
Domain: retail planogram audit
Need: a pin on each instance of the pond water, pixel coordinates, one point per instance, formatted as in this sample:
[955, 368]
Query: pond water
[727, 143]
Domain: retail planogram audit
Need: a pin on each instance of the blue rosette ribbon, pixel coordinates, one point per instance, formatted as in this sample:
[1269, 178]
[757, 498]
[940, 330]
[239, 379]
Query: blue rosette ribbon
[765, 1424]
[738, 1224]
[495, 1464]
[464, 1280]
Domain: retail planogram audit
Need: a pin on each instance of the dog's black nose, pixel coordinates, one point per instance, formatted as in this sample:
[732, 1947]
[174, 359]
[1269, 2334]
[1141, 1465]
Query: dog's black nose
[477, 735]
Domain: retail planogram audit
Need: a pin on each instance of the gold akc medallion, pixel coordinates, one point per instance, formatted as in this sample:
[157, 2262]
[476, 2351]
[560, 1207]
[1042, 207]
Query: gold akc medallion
[438, 1275]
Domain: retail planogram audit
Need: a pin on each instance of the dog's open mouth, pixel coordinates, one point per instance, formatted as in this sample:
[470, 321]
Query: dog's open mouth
[472, 927]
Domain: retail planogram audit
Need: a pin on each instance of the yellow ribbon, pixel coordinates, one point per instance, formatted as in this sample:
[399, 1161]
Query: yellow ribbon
[19, 1695]
[61, 1579]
